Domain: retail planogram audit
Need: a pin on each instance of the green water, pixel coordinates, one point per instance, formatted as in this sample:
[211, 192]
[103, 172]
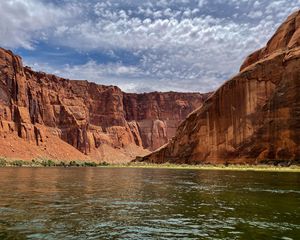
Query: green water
[96, 203]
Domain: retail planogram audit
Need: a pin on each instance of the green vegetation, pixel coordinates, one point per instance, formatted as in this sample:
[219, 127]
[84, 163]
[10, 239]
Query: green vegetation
[40, 162]
[18, 163]
[3, 162]
[47, 163]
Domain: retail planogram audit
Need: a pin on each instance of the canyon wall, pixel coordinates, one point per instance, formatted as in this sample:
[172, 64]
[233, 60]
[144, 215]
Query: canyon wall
[252, 118]
[45, 116]
[158, 115]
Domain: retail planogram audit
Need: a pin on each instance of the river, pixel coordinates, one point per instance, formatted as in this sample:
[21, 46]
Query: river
[128, 203]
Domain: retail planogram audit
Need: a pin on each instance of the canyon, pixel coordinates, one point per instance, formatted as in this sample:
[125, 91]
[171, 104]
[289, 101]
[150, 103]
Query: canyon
[254, 118]
[43, 116]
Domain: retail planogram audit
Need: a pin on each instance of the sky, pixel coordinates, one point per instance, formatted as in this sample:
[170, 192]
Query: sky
[141, 45]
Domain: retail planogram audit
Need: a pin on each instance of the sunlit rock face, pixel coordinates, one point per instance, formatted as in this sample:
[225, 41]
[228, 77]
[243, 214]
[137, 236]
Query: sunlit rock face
[252, 118]
[159, 114]
[42, 115]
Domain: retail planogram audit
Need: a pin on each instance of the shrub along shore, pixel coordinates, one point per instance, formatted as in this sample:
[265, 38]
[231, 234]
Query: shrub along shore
[50, 163]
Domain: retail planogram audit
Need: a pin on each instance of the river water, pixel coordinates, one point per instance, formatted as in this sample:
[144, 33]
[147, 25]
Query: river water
[112, 203]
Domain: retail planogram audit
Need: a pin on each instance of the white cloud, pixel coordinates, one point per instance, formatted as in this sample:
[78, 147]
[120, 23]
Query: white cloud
[180, 44]
[201, 3]
[23, 22]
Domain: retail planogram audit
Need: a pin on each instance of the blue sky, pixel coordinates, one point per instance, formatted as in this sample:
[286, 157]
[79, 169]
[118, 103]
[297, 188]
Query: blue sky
[141, 45]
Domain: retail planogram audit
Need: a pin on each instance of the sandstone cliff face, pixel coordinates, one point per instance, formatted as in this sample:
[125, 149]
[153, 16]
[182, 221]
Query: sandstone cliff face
[158, 115]
[42, 115]
[254, 117]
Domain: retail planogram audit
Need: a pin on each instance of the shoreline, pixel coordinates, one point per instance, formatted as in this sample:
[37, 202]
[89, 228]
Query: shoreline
[44, 163]
[257, 168]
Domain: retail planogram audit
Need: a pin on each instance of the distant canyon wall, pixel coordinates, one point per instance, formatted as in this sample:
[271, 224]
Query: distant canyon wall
[42, 115]
[158, 114]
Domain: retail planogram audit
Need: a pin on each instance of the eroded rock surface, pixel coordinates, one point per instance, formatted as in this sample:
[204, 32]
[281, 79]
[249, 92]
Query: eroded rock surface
[254, 117]
[42, 115]
[158, 115]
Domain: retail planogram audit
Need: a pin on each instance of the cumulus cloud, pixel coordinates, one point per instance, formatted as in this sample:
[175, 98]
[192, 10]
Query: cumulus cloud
[180, 45]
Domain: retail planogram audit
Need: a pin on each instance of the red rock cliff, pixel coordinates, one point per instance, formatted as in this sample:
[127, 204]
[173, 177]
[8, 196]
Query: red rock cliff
[254, 117]
[42, 115]
[158, 114]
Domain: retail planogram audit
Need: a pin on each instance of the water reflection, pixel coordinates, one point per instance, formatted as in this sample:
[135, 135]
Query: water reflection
[90, 203]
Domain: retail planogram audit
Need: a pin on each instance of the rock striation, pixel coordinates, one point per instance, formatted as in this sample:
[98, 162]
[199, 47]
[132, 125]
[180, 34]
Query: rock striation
[158, 115]
[252, 118]
[45, 116]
